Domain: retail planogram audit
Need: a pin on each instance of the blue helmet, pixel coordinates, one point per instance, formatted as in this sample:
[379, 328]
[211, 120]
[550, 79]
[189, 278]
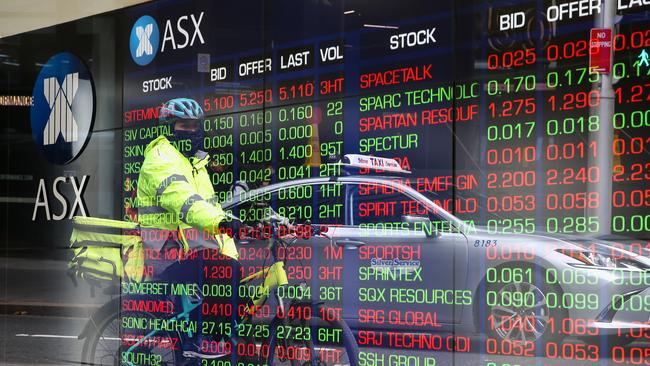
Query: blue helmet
[180, 108]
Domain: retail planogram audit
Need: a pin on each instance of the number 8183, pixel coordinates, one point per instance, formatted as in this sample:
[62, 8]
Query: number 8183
[482, 243]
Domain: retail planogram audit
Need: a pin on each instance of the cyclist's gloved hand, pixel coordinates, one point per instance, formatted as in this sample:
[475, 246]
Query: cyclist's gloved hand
[234, 226]
[238, 228]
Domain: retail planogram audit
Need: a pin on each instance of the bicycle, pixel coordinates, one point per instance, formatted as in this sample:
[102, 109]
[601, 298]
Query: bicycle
[288, 339]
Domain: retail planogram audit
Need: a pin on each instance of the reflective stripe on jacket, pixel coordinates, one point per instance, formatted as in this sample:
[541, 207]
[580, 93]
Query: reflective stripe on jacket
[173, 193]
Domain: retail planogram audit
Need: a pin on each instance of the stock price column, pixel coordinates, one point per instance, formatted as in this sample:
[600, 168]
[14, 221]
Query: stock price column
[308, 137]
[511, 147]
[407, 279]
[631, 124]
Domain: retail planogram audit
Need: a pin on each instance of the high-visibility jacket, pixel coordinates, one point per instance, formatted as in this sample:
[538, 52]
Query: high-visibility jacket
[173, 194]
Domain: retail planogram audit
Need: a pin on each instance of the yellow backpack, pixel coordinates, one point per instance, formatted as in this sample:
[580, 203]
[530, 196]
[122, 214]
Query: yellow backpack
[105, 250]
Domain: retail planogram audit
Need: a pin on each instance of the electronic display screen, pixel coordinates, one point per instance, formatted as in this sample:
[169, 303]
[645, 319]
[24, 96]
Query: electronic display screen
[404, 183]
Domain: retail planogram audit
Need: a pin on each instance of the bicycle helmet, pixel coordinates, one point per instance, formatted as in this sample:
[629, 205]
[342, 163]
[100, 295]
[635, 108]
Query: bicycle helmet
[180, 108]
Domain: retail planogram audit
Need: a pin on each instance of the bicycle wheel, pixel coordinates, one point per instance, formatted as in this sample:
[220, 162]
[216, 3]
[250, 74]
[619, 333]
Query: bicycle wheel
[108, 342]
[298, 342]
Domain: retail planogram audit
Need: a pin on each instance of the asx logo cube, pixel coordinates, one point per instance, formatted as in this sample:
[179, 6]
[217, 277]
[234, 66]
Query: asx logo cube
[64, 108]
[179, 33]
[144, 40]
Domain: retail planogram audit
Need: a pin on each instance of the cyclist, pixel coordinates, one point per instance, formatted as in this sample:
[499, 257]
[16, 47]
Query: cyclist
[174, 200]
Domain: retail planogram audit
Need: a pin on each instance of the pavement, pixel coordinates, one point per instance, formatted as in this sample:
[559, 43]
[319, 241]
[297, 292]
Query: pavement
[42, 287]
[42, 313]
[40, 340]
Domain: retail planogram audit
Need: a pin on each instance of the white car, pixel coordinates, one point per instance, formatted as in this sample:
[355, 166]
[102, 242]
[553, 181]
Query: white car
[408, 265]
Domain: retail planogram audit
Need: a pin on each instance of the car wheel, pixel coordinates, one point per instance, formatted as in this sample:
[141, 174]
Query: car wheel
[519, 311]
[611, 341]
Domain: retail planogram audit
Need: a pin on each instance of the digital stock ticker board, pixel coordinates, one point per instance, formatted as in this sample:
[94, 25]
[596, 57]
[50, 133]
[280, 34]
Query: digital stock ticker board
[457, 182]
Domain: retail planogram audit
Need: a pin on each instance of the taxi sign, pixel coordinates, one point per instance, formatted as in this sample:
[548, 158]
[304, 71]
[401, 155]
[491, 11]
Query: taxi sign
[373, 162]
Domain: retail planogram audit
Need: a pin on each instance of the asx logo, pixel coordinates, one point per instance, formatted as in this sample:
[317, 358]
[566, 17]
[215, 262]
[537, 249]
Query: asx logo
[61, 120]
[145, 36]
[144, 40]
[64, 108]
